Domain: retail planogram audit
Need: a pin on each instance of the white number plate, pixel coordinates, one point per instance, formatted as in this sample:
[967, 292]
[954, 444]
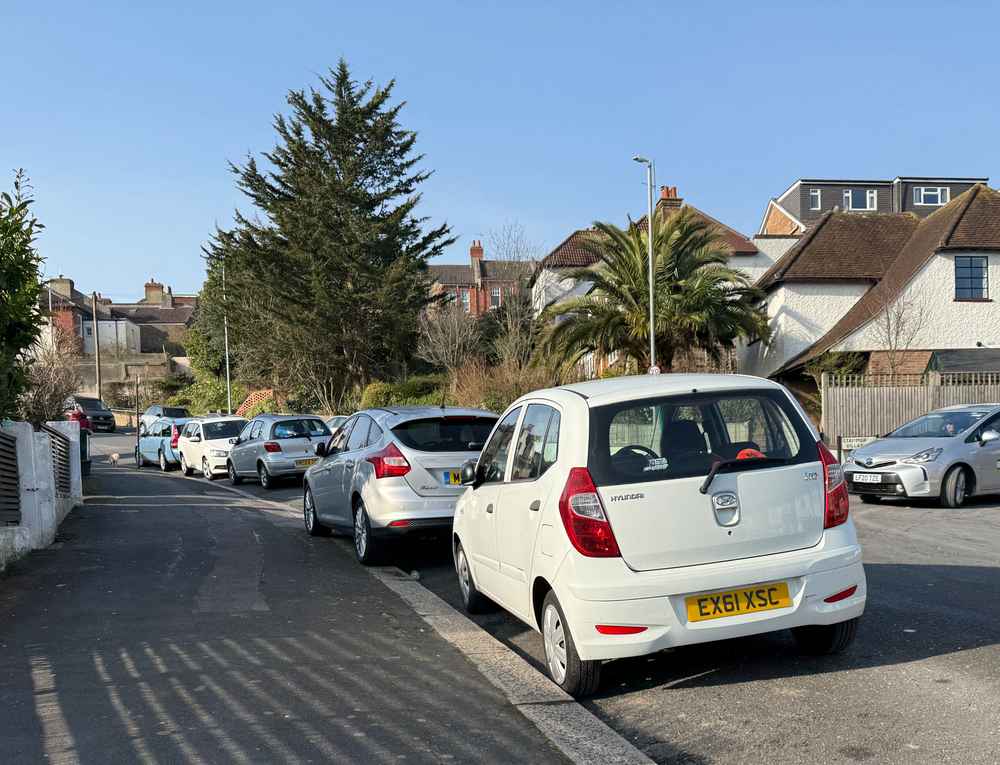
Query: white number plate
[868, 478]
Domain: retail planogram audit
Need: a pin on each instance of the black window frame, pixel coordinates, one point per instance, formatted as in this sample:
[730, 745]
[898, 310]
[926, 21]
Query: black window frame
[972, 270]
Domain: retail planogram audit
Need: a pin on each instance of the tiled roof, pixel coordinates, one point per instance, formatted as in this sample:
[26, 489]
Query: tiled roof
[447, 274]
[843, 245]
[969, 222]
[488, 269]
[151, 314]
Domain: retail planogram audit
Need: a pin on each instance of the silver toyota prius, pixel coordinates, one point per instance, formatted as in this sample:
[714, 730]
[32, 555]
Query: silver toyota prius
[949, 454]
[392, 472]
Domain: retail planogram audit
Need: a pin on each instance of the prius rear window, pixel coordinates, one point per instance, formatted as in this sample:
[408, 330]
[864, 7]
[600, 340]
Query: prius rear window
[658, 439]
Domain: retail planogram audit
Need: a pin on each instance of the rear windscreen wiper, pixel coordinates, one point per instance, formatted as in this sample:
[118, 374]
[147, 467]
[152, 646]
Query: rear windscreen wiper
[717, 466]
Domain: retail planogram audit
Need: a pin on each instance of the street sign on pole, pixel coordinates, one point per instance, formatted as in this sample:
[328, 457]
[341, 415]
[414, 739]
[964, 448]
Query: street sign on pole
[654, 370]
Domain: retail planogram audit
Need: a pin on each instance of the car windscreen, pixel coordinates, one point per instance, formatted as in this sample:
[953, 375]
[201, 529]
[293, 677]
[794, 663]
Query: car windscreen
[939, 424]
[445, 434]
[668, 437]
[90, 404]
[175, 412]
[227, 429]
[299, 429]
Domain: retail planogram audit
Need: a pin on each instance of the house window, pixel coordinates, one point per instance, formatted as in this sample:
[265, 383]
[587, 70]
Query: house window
[815, 199]
[90, 331]
[934, 196]
[494, 297]
[465, 301]
[971, 279]
[860, 199]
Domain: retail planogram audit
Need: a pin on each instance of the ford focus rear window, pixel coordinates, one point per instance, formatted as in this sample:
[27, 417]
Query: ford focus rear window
[445, 434]
[175, 412]
[669, 437]
[299, 429]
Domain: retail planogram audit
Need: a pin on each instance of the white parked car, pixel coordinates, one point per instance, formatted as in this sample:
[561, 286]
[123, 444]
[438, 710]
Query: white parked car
[204, 444]
[621, 517]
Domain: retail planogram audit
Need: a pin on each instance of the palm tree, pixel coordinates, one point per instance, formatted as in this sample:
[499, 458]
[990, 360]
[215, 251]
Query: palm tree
[701, 302]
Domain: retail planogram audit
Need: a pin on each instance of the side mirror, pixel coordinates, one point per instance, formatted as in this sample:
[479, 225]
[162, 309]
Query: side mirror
[988, 435]
[320, 449]
[469, 474]
[195, 439]
[234, 441]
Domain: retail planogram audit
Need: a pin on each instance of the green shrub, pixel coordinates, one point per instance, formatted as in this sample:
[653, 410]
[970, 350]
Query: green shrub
[424, 390]
[207, 394]
[261, 407]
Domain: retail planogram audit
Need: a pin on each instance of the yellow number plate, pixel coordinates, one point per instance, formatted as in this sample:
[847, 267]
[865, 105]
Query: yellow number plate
[746, 600]
[453, 477]
[305, 462]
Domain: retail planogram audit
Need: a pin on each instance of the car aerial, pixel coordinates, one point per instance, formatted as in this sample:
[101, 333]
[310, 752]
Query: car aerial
[334, 423]
[96, 411]
[159, 411]
[204, 444]
[621, 517]
[159, 443]
[949, 454]
[273, 446]
[392, 472]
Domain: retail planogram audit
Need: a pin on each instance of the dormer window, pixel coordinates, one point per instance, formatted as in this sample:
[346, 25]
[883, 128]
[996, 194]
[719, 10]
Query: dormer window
[860, 199]
[815, 199]
[931, 196]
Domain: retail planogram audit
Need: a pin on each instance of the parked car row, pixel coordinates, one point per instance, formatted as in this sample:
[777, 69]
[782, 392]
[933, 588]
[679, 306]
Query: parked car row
[616, 517]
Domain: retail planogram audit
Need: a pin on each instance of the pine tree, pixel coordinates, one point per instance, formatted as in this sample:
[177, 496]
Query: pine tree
[327, 277]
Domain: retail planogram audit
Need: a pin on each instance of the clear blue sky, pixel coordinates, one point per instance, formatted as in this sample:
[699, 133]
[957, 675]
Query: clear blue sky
[125, 117]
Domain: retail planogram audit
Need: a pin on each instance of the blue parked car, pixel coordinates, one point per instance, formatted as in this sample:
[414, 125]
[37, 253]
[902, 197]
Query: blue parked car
[159, 443]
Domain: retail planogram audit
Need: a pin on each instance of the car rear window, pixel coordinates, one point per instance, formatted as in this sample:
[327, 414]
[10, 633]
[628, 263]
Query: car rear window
[175, 412]
[227, 429]
[445, 434]
[668, 437]
[304, 428]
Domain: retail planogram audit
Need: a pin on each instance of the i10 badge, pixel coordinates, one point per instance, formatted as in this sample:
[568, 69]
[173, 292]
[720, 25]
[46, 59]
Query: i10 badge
[726, 506]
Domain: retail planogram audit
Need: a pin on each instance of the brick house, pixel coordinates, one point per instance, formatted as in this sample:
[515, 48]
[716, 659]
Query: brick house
[72, 312]
[480, 286]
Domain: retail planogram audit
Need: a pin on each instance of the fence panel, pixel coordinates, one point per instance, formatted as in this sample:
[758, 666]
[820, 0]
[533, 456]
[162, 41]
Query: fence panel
[10, 492]
[61, 453]
[872, 405]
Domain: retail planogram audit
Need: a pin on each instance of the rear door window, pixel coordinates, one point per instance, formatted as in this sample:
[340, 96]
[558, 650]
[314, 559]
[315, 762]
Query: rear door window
[493, 461]
[445, 434]
[359, 434]
[529, 454]
[682, 436]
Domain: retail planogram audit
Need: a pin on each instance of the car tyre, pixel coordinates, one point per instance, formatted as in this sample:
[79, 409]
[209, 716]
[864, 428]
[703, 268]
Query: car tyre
[366, 548]
[206, 471]
[869, 499]
[164, 465]
[954, 487]
[234, 477]
[265, 477]
[140, 461]
[473, 600]
[186, 469]
[309, 517]
[825, 639]
[579, 678]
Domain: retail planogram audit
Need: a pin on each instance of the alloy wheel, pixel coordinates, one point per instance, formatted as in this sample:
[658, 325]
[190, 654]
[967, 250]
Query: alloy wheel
[206, 471]
[463, 574]
[265, 477]
[960, 488]
[360, 532]
[307, 510]
[232, 472]
[555, 643]
[163, 462]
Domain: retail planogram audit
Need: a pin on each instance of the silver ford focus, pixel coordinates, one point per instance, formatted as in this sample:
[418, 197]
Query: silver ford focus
[950, 454]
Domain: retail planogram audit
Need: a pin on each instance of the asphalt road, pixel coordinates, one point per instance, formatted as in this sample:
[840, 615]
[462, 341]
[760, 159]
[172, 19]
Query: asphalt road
[920, 685]
[174, 621]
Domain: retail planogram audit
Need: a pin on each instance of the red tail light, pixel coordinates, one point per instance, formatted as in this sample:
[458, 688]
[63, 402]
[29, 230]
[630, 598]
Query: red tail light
[838, 501]
[272, 447]
[389, 462]
[842, 595]
[619, 629]
[174, 435]
[583, 516]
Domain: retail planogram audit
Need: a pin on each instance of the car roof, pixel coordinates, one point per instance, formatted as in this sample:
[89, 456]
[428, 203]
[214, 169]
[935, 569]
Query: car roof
[281, 417]
[965, 408]
[399, 414]
[221, 418]
[598, 392]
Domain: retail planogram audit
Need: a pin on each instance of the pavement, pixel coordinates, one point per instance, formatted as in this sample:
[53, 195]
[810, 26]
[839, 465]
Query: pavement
[920, 685]
[174, 621]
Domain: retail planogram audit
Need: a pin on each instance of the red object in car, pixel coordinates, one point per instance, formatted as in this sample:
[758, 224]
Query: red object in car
[175, 435]
[77, 415]
[750, 454]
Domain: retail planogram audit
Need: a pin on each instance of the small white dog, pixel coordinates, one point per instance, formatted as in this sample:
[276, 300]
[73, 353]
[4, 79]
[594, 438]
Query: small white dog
[113, 459]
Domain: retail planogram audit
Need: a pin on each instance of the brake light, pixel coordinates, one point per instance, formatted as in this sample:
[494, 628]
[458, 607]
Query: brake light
[583, 516]
[402, 524]
[619, 629]
[174, 435]
[842, 595]
[272, 447]
[389, 462]
[838, 502]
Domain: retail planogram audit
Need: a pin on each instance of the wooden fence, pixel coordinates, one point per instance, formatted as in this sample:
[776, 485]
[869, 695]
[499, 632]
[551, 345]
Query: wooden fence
[872, 405]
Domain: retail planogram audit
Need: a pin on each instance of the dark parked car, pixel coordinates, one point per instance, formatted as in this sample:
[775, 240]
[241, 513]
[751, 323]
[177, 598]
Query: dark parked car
[95, 410]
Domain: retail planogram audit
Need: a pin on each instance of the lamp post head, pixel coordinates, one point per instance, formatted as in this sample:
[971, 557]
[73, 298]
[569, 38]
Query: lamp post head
[643, 160]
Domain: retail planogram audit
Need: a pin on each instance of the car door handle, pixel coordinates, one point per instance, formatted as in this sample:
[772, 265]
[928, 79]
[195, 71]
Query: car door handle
[535, 506]
[489, 508]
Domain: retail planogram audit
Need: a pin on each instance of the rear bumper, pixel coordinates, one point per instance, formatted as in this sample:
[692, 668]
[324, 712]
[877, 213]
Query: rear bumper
[283, 466]
[415, 526]
[389, 500]
[656, 600]
[106, 426]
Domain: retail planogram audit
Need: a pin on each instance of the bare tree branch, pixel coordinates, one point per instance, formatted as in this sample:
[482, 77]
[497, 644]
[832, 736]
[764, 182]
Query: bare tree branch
[896, 325]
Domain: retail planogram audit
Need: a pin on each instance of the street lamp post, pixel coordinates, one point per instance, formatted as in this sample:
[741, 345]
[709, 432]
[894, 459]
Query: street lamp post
[225, 336]
[653, 369]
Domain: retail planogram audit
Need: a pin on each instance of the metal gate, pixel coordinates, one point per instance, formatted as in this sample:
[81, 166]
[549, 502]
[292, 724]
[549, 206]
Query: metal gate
[61, 453]
[10, 492]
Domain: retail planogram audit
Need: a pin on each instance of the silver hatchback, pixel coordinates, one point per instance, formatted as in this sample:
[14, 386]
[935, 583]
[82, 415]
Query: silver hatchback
[273, 446]
[949, 454]
[392, 472]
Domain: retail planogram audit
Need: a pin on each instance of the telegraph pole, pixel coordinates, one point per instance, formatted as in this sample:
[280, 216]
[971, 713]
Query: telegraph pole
[97, 343]
[225, 335]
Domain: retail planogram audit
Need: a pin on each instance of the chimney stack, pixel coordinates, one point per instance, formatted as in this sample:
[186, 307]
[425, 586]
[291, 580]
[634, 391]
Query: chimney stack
[62, 286]
[669, 197]
[476, 250]
[154, 292]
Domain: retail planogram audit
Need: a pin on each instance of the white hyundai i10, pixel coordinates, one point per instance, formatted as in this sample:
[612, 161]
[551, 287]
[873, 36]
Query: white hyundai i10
[621, 517]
